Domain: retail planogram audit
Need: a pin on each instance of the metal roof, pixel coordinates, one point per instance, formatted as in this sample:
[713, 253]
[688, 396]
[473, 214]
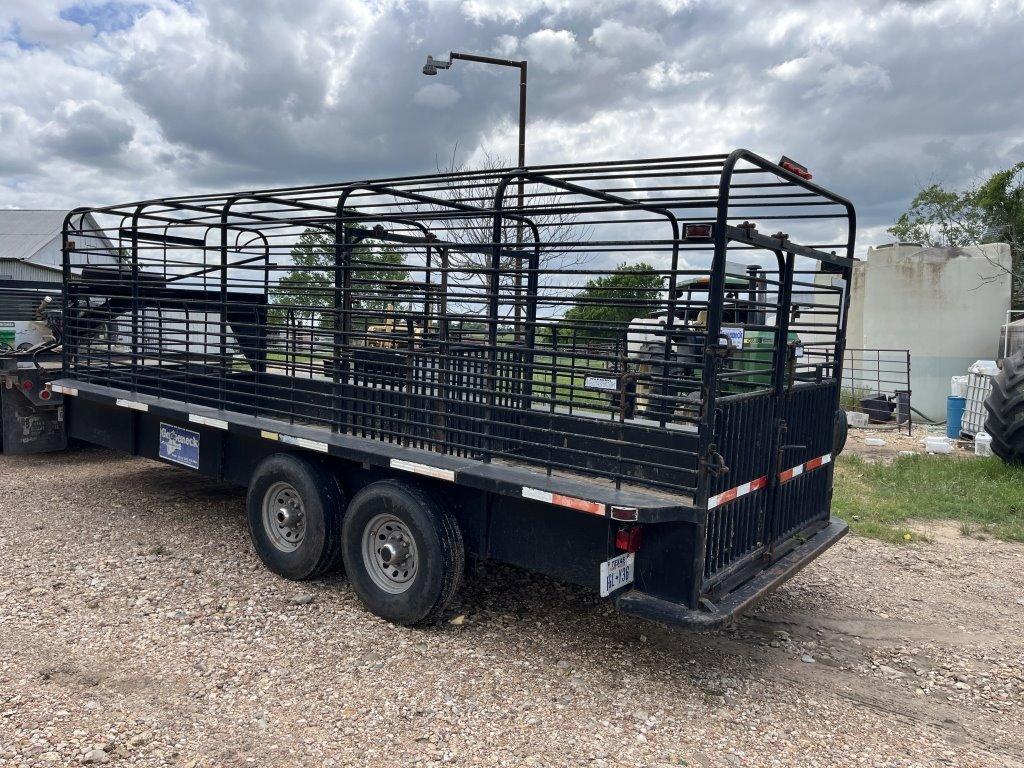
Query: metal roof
[25, 233]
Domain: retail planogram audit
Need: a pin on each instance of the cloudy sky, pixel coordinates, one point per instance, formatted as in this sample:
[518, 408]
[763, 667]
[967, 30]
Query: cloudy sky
[107, 101]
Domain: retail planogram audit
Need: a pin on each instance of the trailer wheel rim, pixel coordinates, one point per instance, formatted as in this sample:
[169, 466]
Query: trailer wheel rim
[390, 555]
[284, 516]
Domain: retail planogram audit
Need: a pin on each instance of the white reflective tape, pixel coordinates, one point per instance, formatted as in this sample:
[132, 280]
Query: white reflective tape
[561, 500]
[207, 421]
[302, 442]
[268, 435]
[533, 493]
[133, 405]
[424, 469]
[64, 390]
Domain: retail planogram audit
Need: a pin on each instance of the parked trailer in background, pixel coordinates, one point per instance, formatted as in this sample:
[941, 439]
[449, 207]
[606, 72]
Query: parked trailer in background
[413, 371]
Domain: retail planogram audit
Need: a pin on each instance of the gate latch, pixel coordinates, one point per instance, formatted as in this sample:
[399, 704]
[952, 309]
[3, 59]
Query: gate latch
[714, 462]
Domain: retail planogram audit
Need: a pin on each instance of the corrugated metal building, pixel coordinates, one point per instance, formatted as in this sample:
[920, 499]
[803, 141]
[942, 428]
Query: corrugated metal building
[30, 258]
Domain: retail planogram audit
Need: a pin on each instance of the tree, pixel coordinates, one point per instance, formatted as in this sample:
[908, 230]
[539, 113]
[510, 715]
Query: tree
[309, 287]
[610, 302]
[985, 213]
[939, 218]
[476, 186]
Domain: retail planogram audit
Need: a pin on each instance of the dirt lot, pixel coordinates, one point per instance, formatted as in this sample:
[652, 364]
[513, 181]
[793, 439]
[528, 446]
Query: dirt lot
[896, 442]
[135, 617]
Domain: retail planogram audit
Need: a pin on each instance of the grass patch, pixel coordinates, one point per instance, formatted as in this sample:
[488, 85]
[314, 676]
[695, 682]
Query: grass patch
[878, 500]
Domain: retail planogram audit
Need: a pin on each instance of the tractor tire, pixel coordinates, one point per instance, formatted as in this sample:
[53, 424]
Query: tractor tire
[840, 431]
[1005, 406]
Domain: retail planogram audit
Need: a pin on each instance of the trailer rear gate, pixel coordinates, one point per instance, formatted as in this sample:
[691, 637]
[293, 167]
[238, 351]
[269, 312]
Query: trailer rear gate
[472, 331]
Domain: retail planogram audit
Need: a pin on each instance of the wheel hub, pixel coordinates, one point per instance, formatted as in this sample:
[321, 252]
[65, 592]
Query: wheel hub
[390, 555]
[284, 516]
[394, 552]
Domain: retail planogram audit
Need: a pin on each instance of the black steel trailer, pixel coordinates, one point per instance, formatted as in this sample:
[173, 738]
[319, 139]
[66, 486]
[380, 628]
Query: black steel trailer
[408, 372]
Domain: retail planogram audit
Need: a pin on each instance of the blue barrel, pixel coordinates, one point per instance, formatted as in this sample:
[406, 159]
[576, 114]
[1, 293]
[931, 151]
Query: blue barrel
[955, 406]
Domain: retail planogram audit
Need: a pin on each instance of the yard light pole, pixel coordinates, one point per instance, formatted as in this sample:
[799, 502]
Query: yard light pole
[431, 68]
[432, 65]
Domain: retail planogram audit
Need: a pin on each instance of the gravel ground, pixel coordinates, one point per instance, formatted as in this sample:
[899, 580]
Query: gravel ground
[897, 442]
[138, 628]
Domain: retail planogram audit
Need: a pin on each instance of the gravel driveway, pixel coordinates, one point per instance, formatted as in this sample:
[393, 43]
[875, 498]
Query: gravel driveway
[138, 628]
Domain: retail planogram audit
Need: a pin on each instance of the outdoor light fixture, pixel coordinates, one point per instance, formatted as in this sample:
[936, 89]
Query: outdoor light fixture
[432, 65]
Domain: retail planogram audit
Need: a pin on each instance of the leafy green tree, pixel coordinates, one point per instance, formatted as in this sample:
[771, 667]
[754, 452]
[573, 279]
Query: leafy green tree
[610, 302]
[939, 218]
[309, 287]
[1001, 198]
[990, 212]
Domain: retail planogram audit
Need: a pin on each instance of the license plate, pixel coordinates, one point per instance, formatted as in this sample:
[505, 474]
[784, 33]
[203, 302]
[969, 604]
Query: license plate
[617, 572]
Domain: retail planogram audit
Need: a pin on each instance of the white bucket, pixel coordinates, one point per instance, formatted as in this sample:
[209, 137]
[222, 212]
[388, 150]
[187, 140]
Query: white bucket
[983, 444]
[938, 444]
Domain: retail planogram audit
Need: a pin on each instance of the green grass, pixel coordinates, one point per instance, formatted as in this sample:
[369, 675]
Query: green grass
[985, 496]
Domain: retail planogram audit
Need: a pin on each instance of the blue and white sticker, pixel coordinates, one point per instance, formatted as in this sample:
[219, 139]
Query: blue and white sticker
[734, 336]
[179, 445]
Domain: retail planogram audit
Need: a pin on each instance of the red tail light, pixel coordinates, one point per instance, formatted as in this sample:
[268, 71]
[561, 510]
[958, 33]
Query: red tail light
[26, 384]
[628, 539]
[44, 394]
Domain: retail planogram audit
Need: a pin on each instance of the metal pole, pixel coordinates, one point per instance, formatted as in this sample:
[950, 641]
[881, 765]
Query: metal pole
[521, 160]
[519, 223]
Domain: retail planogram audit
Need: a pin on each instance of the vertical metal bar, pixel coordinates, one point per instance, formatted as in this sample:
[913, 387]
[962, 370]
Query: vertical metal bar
[519, 222]
[223, 324]
[133, 376]
[492, 315]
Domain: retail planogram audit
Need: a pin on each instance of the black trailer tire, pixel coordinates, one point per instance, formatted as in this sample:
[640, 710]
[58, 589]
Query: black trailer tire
[403, 552]
[840, 432]
[1005, 406]
[294, 506]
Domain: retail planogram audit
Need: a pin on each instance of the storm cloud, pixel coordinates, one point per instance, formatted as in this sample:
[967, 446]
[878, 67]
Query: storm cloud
[107, 101]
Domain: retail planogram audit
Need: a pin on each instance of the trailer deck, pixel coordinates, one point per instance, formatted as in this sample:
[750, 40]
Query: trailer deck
[576, 491]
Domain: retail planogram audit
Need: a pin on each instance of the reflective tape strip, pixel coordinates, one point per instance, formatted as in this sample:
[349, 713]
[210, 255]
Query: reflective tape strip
[207, 421]
[581, 505]
[807, 466]
[133, 405]
[424, 469]
[302, 442]
[735, 493]
[63, 390]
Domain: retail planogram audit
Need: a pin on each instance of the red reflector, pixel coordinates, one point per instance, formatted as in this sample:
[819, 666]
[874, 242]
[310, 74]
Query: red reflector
[795, 168]
[26, 384]
[44, 395]
[628, 539]
[697, 230]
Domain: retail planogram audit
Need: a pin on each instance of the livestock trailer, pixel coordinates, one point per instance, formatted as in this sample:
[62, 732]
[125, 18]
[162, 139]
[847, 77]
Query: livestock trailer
[409, 372]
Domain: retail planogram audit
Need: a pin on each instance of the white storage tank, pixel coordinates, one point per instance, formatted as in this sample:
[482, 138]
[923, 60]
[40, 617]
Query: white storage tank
[946, 305]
